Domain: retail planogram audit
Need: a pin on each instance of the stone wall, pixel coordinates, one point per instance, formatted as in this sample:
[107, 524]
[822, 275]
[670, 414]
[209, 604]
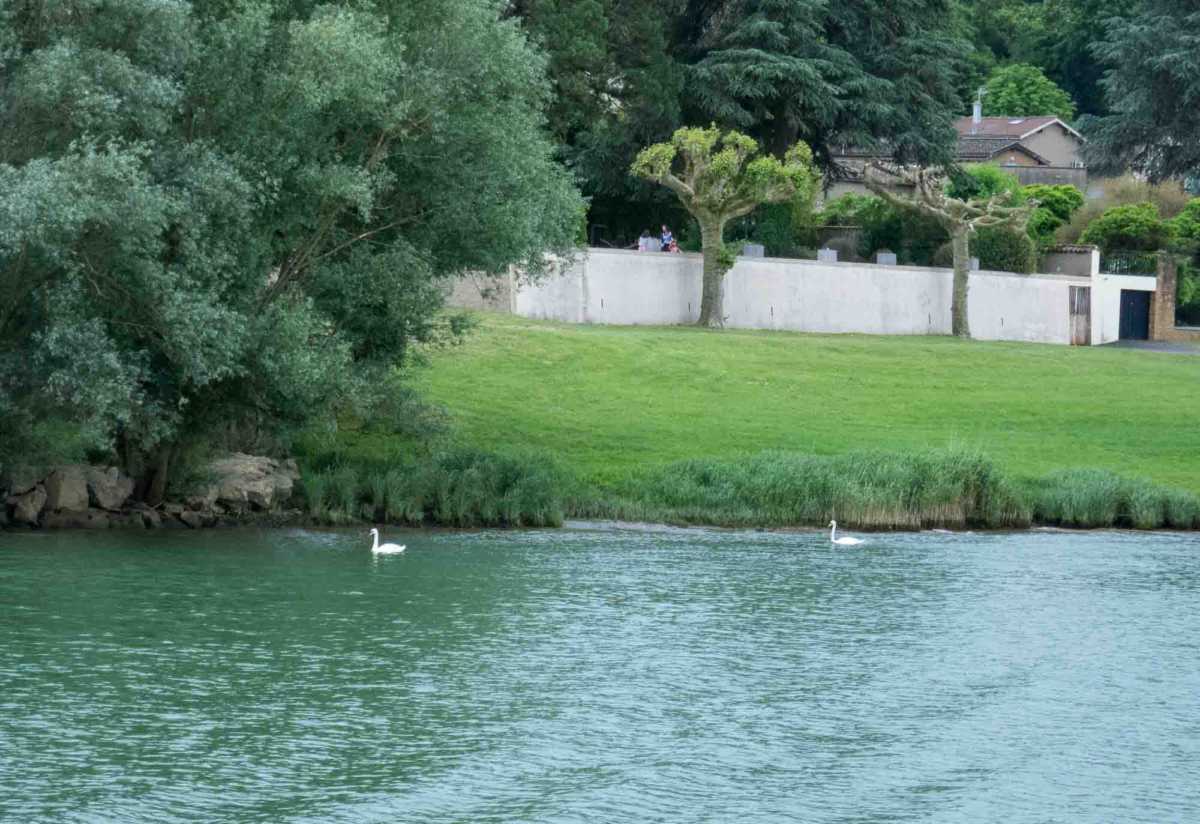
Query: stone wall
[1162, 306]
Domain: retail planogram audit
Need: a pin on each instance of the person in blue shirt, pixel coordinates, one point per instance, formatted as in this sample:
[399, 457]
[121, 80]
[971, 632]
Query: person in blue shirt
[667, 238]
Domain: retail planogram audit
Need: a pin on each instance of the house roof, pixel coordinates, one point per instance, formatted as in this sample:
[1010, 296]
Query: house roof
[974, 148]
[1014, 128]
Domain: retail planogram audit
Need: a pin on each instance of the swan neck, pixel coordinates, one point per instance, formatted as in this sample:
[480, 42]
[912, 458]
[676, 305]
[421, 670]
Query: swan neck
[374, 541]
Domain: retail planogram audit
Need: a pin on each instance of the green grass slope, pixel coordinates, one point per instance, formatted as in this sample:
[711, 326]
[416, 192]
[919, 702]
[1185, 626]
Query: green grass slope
[611, 400]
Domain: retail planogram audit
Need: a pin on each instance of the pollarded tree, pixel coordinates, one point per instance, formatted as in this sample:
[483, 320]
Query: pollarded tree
[924, 190]
[719, 177]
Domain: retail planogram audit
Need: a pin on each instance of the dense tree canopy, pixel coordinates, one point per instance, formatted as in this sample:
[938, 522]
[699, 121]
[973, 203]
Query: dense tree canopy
[219, 216]
[1153, 88]
[860, 72]
[1022, 90]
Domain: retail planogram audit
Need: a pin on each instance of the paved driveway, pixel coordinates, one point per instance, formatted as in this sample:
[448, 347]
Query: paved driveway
[1158, 346]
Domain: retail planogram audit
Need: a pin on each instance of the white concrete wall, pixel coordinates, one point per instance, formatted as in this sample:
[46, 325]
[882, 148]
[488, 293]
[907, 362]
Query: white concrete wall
[1106, 303]
[634, 288]
[1033, 308]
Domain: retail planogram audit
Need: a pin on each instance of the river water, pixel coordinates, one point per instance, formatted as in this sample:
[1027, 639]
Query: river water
[599, 675]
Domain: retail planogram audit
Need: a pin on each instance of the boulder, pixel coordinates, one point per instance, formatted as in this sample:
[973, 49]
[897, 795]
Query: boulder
[27, 507]
[150, 517]
[17, 480]
[252, 481]
[193, 519]
[76, 519]
[108, 488]
[66, 488]
[204, 500]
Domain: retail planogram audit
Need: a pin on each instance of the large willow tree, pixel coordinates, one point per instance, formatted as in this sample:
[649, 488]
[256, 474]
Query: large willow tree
[233, 216]
[718, 177]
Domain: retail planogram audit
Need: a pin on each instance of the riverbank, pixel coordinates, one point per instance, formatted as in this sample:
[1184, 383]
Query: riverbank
[541, 422]
[608, 401]
[949, 489]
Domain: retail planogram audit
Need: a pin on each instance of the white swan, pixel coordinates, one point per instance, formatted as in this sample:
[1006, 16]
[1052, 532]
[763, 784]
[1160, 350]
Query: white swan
[384, 549]
[834, 539]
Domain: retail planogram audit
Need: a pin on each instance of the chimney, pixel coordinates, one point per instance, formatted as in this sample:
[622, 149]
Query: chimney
[977, 111]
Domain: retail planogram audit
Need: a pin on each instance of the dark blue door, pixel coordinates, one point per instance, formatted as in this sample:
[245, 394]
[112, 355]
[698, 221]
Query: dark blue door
[1135, 315]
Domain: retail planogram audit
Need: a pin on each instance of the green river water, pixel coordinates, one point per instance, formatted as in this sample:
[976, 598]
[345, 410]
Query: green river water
[599, 675]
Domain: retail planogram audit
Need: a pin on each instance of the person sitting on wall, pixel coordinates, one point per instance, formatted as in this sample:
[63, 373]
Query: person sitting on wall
[674, 247]
[647, 243]
[667, 239]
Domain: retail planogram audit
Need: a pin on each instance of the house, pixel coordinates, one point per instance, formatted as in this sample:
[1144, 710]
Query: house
[1035, 149]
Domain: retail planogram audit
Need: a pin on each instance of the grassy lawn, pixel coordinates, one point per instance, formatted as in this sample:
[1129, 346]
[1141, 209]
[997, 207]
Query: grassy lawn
[607, 400]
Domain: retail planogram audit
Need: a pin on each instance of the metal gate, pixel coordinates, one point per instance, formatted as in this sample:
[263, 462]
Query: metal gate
[1081, 315]
[1135, 315]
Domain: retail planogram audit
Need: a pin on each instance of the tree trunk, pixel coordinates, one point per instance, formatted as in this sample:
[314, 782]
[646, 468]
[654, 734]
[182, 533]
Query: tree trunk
[712, 302]
[959, 326]
[156, 477]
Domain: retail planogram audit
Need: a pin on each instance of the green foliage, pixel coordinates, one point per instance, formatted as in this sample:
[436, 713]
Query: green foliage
[1003, 249]
[1056, 204]
[984, 180]
[880, 490]
[1185, 226]
[723, 173]
[1152, 88]
[218, 218]
[1169, 197]
[912, 236]
[1092, 498]
[1054, 35]
[1060, 201]
[1022, 90]
[855, 72]
[452, 487]
[1136, 227]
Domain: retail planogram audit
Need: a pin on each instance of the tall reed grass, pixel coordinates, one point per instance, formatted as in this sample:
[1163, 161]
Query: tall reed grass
[869, 490]
[454, 487]
[877, 490]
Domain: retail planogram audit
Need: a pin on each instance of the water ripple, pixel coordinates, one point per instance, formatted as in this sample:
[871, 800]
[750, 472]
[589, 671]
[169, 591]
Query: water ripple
[600, 674]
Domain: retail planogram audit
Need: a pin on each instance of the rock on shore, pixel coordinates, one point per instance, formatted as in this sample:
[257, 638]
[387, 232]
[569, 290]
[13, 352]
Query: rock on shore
[97, 497]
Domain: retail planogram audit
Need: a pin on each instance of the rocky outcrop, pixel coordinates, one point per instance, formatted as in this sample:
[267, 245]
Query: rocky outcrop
[27, 507]
[245, 482]
[17, 480]
[66, 488]
[98, 497]
[107, 487]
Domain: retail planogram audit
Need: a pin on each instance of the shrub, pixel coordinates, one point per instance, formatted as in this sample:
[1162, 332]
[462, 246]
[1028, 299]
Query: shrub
[912, 236]
[1170, 198]
[999, 249]
[1004, 249]
[982, 180]
[1061, 201]
[1136, 227]
[1056, 204]
[1185, 226]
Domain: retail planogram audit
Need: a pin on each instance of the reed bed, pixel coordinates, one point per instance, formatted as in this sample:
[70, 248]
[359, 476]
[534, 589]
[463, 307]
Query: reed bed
[866, 490]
